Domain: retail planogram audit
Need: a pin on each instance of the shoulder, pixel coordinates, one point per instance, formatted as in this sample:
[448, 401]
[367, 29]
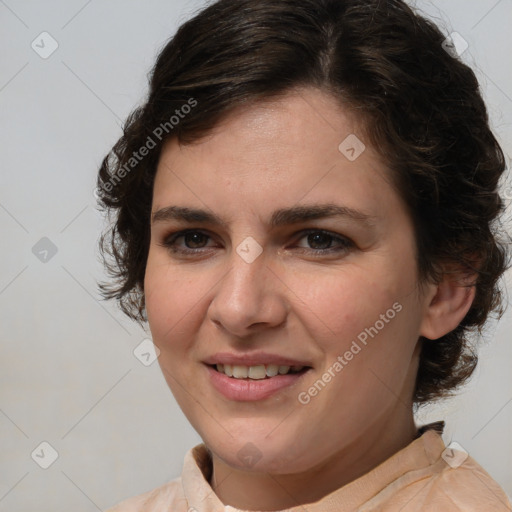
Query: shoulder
[427, 476]
[462, 485]
[155, 500]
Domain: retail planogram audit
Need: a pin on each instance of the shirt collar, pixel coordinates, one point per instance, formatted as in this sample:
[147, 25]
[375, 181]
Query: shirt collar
[424, 451]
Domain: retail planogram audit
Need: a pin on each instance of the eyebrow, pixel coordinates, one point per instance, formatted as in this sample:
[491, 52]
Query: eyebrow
[281, 217]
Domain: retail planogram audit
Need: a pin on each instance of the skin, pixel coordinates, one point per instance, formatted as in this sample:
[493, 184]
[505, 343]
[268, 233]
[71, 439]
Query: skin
[295, 299]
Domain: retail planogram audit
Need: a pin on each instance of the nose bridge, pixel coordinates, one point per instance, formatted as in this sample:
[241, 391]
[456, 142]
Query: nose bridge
[245, 282]
[246, 296]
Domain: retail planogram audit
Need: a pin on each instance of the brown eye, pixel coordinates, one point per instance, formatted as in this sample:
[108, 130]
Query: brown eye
[194, 239]
[193, 242]
[320, 241]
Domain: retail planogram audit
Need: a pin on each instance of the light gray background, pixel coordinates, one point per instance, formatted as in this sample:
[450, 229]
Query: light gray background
[69, 376]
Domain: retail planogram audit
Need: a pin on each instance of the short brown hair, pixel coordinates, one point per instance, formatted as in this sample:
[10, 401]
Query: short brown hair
[421, 107]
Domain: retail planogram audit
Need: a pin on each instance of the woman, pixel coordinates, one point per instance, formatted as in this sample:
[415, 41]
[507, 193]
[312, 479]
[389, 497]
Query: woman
[304, 215]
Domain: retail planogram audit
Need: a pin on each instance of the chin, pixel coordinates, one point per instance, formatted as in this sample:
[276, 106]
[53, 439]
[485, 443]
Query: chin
[262, 453]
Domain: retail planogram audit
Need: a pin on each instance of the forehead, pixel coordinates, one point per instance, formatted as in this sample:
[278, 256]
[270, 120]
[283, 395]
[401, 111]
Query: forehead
[303, 145]
[301, 118]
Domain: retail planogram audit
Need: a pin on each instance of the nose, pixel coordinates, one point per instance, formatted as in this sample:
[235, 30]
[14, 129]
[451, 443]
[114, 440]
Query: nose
[250, 297]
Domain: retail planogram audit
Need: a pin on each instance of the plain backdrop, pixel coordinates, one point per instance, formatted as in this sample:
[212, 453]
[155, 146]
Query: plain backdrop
[69, 376]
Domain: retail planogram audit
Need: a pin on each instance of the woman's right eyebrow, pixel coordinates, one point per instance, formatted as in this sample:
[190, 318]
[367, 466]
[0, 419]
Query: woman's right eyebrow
[284, 216]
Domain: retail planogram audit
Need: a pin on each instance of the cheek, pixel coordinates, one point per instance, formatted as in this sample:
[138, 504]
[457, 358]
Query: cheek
[372, 325]
[172, 302]
[169, 297]
[338, 307]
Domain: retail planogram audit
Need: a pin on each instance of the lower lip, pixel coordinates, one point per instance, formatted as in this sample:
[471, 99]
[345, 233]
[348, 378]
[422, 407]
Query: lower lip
[248, 390]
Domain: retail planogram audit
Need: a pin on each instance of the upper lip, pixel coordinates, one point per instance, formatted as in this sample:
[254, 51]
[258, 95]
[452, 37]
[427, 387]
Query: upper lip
[253, 359]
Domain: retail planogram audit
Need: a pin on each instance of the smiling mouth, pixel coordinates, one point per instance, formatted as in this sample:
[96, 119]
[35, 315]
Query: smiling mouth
[258, 372]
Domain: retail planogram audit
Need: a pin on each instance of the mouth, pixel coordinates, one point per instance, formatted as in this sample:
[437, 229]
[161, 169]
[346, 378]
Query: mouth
[257, 372]
[257, 382]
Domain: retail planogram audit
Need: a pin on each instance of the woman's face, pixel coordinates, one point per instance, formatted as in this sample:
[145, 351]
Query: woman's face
[270, 285]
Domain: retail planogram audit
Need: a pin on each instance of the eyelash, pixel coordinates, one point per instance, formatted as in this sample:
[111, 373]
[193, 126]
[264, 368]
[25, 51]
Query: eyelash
[345, 243]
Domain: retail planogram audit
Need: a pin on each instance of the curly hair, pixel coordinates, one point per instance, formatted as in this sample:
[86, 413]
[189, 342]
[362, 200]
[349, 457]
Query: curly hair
[420, 106]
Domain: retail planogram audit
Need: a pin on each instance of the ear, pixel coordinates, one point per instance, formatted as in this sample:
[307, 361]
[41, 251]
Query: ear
[446, 305]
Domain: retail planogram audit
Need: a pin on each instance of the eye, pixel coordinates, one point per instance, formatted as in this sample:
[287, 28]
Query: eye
[321, 241]
[194, 241]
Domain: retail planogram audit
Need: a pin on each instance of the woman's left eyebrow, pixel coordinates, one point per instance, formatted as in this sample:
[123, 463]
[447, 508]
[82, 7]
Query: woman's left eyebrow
[281, 217]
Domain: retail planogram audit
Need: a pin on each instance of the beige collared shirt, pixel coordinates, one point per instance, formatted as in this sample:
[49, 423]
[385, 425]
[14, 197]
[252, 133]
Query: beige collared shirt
[424, 476]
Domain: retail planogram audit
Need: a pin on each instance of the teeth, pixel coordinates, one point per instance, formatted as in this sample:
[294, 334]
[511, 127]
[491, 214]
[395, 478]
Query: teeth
[256, 372]
[272, 370]
[240, 372]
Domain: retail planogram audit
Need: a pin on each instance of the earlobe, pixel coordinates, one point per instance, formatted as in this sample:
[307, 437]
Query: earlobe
[446, 307]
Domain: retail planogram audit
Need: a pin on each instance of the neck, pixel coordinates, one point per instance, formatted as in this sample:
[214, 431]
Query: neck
[263, 491]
